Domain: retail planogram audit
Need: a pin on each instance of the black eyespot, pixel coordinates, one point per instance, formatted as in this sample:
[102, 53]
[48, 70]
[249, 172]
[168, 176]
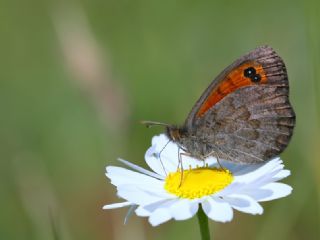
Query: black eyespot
[256, 78]
[249, 72]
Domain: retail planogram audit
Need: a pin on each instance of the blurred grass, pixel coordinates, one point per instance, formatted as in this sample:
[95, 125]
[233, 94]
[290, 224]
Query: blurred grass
[55, 144]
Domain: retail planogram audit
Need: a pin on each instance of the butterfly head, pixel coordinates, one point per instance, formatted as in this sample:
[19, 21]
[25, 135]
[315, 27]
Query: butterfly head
[174, 133]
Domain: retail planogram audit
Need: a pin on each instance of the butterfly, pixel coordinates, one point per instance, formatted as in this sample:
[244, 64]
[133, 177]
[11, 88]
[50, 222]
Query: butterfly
[244, 116]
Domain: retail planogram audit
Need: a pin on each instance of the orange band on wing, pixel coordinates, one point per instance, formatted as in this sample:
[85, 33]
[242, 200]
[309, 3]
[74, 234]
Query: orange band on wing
[234, 80]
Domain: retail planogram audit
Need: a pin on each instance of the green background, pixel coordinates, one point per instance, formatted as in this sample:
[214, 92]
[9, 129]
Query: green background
[76, 78]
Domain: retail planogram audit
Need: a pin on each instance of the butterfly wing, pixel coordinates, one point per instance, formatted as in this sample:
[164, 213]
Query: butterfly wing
[241, 119]
[251, 125]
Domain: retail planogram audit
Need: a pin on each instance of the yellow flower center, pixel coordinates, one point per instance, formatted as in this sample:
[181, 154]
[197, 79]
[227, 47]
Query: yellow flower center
[198, 182]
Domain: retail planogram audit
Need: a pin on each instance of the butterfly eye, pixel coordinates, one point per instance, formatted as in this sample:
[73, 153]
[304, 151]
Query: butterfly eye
[249, 72]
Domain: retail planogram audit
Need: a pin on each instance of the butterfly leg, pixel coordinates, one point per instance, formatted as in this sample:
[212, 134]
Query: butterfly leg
[165, 172]
[218, 161]
[217, 156]
[181, 166]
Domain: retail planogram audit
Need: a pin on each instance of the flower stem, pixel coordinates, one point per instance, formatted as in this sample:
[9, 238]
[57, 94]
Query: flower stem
[203, 223]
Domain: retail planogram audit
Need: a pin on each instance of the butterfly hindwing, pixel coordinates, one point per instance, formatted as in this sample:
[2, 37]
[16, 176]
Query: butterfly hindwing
[249, 126]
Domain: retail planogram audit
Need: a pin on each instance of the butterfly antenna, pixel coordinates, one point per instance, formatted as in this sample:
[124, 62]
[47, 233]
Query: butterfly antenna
[152, 123]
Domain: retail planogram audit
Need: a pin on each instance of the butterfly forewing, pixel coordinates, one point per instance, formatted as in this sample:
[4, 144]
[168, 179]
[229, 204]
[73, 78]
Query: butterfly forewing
[263, 59]
[244, 115]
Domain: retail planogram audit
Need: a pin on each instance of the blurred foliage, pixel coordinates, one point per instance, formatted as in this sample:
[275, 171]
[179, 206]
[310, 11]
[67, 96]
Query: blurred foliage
[59, 130]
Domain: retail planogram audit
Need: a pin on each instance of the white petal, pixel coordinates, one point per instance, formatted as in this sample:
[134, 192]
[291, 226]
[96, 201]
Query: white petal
[265, 178]
[140, 169]
[184, 209]
[233, 188]
[156, 190]
[135, 195]
[239, 169]
[154, 162]
[159, 216]
[251, 173]
[278, 190]
[188, 162]
[159, 140]
[244, 203]
[166, 203]
[217, 209]
[147, 210]
[162, 211]
[255, 193]
[268, 177]
[282, 174]
[121, 176]
[117, 205]
[161, 156]
[258, 190]
[142, 212]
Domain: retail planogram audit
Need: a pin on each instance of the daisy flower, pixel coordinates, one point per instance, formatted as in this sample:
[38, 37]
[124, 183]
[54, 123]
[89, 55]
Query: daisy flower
[163, 194]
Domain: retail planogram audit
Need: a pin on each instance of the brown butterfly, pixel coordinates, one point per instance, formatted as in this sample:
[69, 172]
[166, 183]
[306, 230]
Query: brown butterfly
[244, 116]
